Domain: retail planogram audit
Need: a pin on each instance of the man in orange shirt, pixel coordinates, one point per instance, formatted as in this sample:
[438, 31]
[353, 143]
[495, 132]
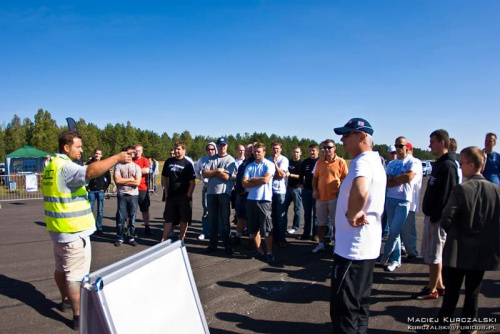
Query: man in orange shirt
[144, 202]
[328, 174]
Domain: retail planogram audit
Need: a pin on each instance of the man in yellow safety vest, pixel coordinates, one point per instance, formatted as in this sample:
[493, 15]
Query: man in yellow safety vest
[68, 215]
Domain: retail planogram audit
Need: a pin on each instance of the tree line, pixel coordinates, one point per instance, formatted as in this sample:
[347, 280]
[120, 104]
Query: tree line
[43, 131]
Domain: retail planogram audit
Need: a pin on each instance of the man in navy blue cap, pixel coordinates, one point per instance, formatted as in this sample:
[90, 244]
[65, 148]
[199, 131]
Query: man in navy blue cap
[358, 228]
[219, 170]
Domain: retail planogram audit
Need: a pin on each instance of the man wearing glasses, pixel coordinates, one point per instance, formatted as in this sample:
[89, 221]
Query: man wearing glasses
[329, 173]
[358, 228]
[400, 173]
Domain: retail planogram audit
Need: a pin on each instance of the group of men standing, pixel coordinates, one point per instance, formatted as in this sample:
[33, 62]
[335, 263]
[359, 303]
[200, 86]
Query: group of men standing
[351, 200]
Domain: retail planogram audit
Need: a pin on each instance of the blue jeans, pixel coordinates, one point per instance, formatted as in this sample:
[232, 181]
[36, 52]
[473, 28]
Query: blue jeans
[127, 207]
[278, 217]
[99, 195]
[294, 195]
[309, 204]
[205, 223]
[219, 209]
[409, 234]
[397, 211]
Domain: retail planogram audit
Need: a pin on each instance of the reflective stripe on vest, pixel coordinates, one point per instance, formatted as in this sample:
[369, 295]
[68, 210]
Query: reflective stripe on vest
[66, 211]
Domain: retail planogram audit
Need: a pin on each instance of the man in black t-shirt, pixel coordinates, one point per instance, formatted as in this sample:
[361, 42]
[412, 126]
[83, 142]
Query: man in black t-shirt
[308, 202]
[178, 180]
[293, 190]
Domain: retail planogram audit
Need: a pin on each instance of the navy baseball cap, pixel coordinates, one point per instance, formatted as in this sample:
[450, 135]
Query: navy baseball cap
[222, 141]
[355, 124]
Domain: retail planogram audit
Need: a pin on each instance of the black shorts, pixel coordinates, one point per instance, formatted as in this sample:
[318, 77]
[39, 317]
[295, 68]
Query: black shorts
[178, 209]
[259, 217]
[144, 200]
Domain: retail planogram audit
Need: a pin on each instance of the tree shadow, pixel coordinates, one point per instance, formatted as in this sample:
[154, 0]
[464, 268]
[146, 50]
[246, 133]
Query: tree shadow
[27, 294]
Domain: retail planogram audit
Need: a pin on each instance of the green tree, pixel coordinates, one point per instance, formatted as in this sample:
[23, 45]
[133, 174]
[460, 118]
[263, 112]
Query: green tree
[45, 133]
[15, 135]
[2, 142]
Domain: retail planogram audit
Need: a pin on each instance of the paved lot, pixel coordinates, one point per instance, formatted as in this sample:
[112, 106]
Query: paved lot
[239, 295]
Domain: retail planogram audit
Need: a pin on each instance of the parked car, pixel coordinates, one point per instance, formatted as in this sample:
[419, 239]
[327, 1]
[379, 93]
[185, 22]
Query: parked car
[426, 168]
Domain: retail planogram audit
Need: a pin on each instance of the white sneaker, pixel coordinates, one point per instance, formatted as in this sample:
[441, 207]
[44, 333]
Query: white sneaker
[392, 266]
[319, 248]
[292, 231]
[201, 237]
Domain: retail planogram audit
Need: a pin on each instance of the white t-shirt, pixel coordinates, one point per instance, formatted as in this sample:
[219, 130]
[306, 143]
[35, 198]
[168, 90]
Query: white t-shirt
[398, 167]
[279, 186]
[361, 243]
[416, 185]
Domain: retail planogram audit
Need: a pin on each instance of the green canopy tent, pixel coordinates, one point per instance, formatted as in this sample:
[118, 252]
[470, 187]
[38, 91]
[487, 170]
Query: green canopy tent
[27, 159]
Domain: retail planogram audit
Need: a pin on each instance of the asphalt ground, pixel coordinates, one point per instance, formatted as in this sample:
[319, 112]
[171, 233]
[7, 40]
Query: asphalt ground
[239, 295]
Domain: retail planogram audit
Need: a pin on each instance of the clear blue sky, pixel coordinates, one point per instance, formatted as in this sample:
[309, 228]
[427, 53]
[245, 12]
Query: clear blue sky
[285, 67]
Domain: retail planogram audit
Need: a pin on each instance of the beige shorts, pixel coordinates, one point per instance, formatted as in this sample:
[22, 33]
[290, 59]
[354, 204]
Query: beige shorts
[325, 209]
[433, 239]
[73, 258]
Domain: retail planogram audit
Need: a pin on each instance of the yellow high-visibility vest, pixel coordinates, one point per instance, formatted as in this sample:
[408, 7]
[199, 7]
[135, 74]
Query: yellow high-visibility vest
[66, 211]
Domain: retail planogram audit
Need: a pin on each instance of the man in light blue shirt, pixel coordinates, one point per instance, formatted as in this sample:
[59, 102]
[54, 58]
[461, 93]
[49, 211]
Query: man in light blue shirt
[257, 178]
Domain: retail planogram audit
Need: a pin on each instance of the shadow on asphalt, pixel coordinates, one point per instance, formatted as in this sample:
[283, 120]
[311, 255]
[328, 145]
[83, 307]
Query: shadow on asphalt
[27, 294]
[269, 326]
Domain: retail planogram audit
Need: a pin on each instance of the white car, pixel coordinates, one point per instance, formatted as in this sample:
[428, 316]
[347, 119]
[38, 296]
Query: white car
[426, 168]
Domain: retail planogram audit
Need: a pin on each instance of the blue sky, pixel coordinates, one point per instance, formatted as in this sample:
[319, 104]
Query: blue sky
[285, 67]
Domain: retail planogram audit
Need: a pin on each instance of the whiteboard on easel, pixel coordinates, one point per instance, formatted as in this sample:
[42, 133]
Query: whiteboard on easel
[150, 292]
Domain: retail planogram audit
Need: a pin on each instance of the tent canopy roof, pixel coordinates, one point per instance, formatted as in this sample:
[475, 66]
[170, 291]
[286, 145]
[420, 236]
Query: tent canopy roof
[27, 152]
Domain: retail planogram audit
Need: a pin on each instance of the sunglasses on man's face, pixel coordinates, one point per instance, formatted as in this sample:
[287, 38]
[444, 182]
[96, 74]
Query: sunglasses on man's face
[400, 145]
[328, 147]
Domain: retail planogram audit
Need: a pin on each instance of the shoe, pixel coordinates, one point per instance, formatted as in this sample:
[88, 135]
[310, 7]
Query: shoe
[229, 251]
[118, 243]
[147, 231]
[98, 232]
[425, 294]
[201, 237]
[319, 248]
[133, 243]
[76, 322]
[292, 231]
[269, 258]
[410, 258]
[304, 237]
[64, 306]
[441, 291]
[403, 251]
[236, 240]
[210, 250]
[255, 255]
[392, 266]
[314, 238]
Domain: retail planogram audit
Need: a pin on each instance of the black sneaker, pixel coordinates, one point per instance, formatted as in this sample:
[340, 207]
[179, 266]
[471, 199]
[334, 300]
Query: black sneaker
[256, 255]
[229, 251]
[118, 243]
[133, 243]
[64, 306]
[76, 322]
[236, 240]
[269, 258]
[210, 250]
[147, 231]
[98, 232]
